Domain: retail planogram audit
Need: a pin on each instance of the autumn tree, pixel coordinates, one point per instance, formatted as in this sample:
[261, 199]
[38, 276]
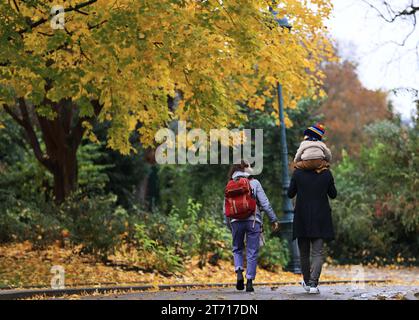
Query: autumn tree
[349, 107]
[121, 61]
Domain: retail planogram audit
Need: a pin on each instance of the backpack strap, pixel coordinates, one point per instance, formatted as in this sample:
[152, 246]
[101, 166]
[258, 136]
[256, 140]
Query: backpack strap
[254, 196]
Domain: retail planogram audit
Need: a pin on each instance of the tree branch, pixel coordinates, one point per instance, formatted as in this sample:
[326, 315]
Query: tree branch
[393, 15]
[31, 137]
[17, 7]
[13, 115]
[69, 9]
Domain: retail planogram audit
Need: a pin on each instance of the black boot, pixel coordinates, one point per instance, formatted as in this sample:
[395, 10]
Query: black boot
[240, 280]
[249, 286]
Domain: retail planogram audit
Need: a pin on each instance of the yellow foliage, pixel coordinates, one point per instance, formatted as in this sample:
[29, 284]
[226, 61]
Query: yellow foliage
[212, 54]
[257, 102]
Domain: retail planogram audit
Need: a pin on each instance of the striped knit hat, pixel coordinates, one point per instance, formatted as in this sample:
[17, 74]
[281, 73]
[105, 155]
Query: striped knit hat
[317, 131]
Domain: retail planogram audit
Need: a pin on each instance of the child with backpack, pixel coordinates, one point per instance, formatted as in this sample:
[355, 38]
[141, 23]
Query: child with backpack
[243, 197]
[313, 154]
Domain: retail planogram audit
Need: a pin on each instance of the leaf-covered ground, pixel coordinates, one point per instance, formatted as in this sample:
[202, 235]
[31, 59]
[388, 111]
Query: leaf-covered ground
[21, 265]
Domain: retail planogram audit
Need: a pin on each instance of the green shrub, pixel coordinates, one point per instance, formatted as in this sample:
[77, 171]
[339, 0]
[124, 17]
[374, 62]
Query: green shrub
[22, 221]
[97, 222]
[193, 232]
[203, 231]
[376, 214]
[274, 253]
[155, 255]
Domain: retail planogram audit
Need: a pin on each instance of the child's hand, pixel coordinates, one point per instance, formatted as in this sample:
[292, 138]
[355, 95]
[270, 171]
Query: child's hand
[275, 226]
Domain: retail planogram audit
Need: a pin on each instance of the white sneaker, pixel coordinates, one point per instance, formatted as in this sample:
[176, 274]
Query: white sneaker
[314, 290]
[306, 287]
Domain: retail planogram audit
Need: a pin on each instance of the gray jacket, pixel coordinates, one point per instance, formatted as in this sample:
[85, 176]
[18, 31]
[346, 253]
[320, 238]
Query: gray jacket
[262, 201]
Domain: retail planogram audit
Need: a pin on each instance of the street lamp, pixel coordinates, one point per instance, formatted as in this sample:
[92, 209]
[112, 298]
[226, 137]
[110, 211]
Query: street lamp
[288, 217]
[287, 208]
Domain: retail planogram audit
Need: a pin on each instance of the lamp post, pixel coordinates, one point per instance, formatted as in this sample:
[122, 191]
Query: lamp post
[287, 208]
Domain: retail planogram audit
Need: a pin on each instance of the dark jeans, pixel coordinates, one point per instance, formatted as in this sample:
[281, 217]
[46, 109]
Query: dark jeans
[311, 271]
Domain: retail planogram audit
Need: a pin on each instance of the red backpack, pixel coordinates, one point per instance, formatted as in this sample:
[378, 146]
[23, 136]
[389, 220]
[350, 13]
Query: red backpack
[239, 202]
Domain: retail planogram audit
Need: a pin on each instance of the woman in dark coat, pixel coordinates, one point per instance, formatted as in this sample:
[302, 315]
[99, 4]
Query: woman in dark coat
[312, 220]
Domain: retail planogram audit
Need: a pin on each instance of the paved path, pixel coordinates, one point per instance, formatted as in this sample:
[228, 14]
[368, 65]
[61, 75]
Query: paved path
[328, 292]
[400, 275]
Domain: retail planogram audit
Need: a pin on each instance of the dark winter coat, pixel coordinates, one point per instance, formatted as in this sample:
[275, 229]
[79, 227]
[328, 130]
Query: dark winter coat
[312, 214]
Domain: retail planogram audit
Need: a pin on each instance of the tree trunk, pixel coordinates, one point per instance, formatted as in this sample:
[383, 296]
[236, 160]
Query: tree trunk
[62, 137]
[65, 173]
[62, 141]
[147, 191]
